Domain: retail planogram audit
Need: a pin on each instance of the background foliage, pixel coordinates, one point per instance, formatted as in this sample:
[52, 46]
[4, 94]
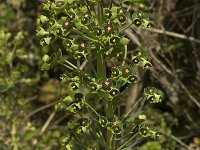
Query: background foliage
[27, 94]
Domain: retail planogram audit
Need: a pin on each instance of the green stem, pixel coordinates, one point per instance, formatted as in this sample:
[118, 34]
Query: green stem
[131, 110]
[14, 140]
[101, 74]
[111, 2]
[92, 67]
[68, 67]
[100, 13]
[101, 68]
[125, 28]
[91, 108]
[84, 36]
[122, 146]
[110, 115]
[69, 63]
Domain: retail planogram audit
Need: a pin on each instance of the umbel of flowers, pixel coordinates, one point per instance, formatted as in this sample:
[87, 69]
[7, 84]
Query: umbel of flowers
[91, 32]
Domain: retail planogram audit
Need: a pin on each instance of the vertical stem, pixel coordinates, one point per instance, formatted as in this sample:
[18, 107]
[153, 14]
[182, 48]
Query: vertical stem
[101, 73]
[101, 68]
[100, 13]
[14, 139]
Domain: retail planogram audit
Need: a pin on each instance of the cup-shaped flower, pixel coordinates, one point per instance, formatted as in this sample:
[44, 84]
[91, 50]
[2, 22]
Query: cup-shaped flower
[121, 18]
[132, 78]
[144, 131]
[106, 84]
[116, 129]
[93, 86]
[137, 22]
[114, 40]
[109, 29]
[84, 122]
[115, 72]
[108, 13]
[78, 97]
[97, 31]
[103, 121]
[126, 71]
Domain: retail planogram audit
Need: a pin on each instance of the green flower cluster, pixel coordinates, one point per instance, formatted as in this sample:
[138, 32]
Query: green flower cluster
[82, 32]
[74, 24]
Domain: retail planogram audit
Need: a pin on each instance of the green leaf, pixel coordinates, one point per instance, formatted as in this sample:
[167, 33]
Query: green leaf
[47, 40]
[56, 58]
[45, 67]
[125, 41]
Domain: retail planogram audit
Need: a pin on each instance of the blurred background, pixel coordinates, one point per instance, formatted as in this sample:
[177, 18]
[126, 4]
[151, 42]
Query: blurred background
[27, 94]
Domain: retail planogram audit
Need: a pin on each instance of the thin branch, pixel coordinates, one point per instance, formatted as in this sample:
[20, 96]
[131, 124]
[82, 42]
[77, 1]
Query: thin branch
[132, 37]
[132, 108]
[47, 122]
[188, 93]
[178, 141]
[41, 108]
[83, 64]
[125, 55]
[173, 34]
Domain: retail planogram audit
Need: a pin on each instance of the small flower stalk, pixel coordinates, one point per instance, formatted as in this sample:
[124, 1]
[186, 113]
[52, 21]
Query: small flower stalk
[72, 30]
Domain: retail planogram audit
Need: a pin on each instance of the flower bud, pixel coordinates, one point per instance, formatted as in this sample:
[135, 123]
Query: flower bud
[67, 25]
[46, 58]
[73, 86]
[113, 92]
[67, 44]
[157, 135]
[150, 25]
[115, 71]
[126, 71]
[140, 15]
[78, 97]
[78, 55]
[97, 31]
[80, 130]
[144, 131]
[74, 107]
[108, 13]
[107, 84]
[135, 60]
[84, 122]
[103, 121]
[83, 45]
[121, 11]
[137, 22]
[84, 20]
[114, 40]
[121, 18]
[116, 129]
[109, 28]
[133, 78]
[93, 86]
[71, 15]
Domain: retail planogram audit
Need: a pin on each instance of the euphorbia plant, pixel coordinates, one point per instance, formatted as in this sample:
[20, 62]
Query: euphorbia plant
[92, 32]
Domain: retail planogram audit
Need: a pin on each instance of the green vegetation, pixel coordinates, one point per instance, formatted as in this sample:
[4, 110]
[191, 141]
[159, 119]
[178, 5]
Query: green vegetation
[81, 74]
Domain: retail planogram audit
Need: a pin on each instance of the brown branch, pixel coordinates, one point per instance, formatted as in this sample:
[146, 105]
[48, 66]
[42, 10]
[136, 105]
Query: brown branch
[173, 34]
